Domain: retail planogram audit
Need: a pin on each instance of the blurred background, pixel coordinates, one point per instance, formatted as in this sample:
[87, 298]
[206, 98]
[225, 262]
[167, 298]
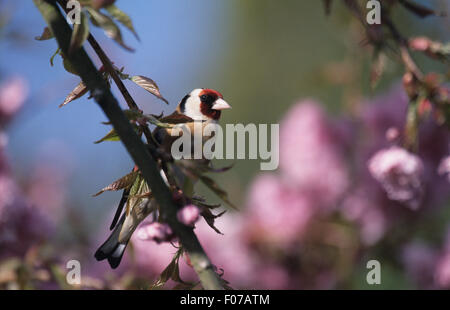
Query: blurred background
[313, 224]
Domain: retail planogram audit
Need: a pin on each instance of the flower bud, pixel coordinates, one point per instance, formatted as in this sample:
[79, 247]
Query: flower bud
[13, 94]
[159, 232]
[421, 44]
[400, 174]
[188, 215]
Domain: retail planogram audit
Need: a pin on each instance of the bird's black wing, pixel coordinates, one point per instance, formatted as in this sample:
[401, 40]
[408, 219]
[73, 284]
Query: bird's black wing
[122, 202]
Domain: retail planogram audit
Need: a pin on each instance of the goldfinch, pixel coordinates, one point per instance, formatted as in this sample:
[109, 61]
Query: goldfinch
[200, 105]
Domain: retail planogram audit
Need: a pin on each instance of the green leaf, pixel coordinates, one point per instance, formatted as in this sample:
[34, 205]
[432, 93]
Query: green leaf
[153, 120]
[131, 114]
[110, 136]
[166, 274]
[107, 24]
[46, 35]
[76, 93]
[68, 66]
[149, 85]
[122, 183]
[122, 18]
[138, 191]
[53, 56]
[113, 136]
[79, 34]
[123, 76]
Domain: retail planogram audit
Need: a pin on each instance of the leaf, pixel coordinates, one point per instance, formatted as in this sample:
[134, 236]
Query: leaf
[131, 114]
[377, 69]
[53, 56]
[68, 66]
[122, 183]
[113, 136]
[79, 34]
[210, 218]
[203, 204]
[110, 136]
[212, 185]
[166, 274]
[76, 93]
[219, 170]
[46, 35]
[107, 24]
[66, 63]
[149, 85]
[122, 18]
[418, 9]
[153, 120]
[176, 118]
[138, 188]
[123, 76]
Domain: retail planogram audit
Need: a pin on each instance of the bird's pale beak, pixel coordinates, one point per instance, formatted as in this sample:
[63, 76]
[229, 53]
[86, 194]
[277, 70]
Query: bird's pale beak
[220, 104]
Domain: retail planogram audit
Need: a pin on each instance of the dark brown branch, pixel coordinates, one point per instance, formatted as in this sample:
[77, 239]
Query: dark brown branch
[134, 145]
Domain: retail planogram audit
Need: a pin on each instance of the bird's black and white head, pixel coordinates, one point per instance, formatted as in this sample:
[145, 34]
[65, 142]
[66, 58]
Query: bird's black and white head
[203, 104]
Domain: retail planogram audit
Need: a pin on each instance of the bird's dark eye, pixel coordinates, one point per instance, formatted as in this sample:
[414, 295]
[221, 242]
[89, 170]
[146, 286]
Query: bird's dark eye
[204, 98]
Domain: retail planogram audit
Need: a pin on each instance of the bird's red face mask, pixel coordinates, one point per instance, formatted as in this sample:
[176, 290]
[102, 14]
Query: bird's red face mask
[211, 103]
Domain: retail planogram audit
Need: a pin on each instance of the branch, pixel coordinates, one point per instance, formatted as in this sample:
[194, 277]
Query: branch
[134, 145]
[404, 50]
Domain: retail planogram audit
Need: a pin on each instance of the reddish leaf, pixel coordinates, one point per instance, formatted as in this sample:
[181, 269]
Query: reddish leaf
[76, 93]
[46, 35]
[122, 18]
[149, 85]
[107, 24]
[123, 182]
[418, 9]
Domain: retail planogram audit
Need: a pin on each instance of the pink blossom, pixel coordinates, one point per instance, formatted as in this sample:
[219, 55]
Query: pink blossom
[230, 252]
[271, 277]
[21, 224]
[46, 189]
[420, 43]
[277, 212]
[444, 167]
[310, 155]
[392, 134]
[13, 94]
[400, 174]
[159, 232]
[360, 208]
[442, 273]
[188, 215]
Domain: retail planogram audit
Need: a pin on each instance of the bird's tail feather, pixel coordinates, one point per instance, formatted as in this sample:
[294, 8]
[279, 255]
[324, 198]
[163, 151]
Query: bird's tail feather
[112, 249]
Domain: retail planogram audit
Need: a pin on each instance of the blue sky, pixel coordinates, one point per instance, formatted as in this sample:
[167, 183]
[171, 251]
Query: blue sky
[180, 43]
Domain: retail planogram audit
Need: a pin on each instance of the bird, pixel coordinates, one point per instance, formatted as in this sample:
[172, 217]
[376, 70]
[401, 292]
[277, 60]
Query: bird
[200, 105]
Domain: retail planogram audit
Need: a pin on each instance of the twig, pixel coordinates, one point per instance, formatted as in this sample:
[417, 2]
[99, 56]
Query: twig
[134, 145]
[404, 50]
